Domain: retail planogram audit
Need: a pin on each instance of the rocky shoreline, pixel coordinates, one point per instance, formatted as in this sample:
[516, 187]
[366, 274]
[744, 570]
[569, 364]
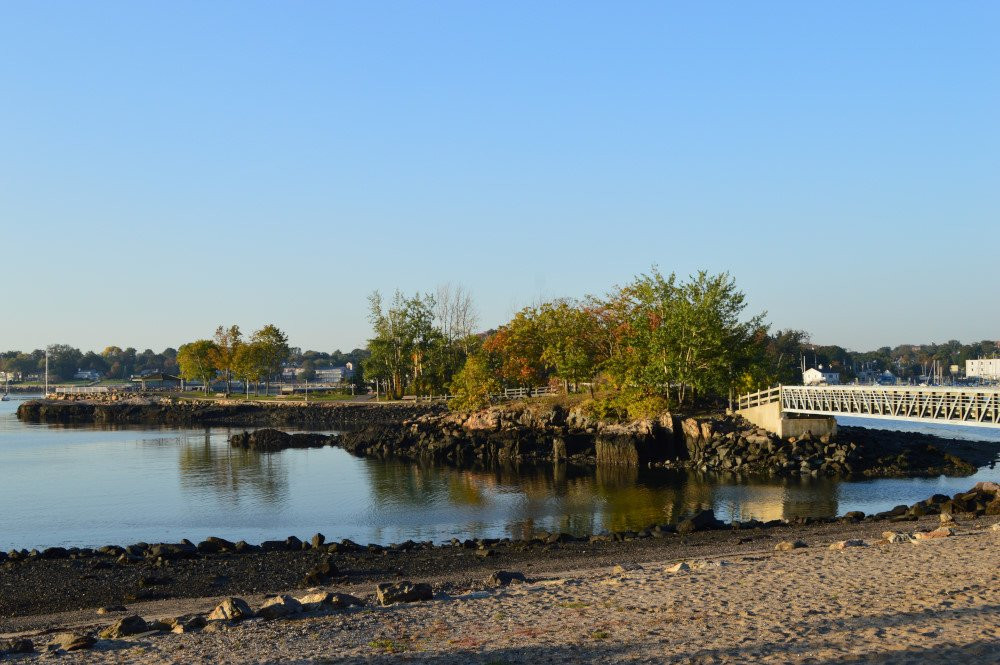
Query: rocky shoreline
[36, 582]
[716, 443]
[163, 411]
[540, 432]
[821, 593]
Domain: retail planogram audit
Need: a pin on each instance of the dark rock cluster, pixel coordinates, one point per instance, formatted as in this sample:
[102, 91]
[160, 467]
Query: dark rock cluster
[269, 440]
[733, 444]
[513, 434]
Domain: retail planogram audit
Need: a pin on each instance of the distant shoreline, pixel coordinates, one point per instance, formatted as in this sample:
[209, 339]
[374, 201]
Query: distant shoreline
[164, 411]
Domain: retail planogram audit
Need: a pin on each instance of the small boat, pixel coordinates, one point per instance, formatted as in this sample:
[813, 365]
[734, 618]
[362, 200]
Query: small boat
[6, 391]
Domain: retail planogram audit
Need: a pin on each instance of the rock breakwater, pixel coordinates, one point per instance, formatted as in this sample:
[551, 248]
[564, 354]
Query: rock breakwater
[168, 412]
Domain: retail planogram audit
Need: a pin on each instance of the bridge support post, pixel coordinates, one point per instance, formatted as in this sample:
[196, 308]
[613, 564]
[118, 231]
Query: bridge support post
[771, 418]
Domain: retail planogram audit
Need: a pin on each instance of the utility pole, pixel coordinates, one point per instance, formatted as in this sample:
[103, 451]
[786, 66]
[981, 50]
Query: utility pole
[46, 371]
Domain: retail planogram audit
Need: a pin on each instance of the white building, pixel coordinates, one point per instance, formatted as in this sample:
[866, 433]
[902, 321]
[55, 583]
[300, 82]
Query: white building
[820, 377]
[983, 368]
[334, 374]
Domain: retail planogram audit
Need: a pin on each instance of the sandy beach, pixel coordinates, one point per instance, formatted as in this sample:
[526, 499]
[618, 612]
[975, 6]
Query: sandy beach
[933, 601]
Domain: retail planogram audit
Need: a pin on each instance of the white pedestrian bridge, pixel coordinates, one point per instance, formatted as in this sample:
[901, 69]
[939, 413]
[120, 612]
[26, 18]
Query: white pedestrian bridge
[930, 404]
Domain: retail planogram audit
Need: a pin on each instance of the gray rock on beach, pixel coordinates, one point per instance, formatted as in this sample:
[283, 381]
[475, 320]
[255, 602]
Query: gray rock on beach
[389, 593]
[279, 606]
[130, 625]
[231, 609]
[324, 599]
[503, 578]
[789, 545]
[188, 624]
[700, 521]
[10, 647]
[71, 641]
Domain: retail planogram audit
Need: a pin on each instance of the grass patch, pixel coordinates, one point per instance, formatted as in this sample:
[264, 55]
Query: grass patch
[387, 646]
[600, 635]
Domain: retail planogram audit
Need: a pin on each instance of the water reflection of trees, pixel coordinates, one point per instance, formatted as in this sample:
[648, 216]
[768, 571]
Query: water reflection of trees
[584, 500]
[230, 472]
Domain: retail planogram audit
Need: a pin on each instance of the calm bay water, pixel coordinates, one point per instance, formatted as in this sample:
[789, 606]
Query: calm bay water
[92, 486]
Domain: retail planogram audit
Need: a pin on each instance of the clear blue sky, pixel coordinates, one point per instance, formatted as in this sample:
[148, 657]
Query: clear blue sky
[167, 167]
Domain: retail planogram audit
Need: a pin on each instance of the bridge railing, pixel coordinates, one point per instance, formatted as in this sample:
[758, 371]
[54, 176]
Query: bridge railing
[759, 398]
[969, 406]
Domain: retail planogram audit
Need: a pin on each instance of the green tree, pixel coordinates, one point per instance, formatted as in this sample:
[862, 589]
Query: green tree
[404, 337]
[197, 361]
[272, 352]
[570, 346]
[308, 370]
[683, 336]
[249, 365]
[64, 360]
[227, 344]
[473, 385]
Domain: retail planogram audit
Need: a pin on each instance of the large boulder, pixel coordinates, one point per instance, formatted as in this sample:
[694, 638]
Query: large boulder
[279, 606]
[389, 593]
[13, 646]
[321, 573]
[71, 641]
[324, 599]
[700, 521]
[987, 486]
[504, 578]
[130, 625]
[231, 609]
[214, 545]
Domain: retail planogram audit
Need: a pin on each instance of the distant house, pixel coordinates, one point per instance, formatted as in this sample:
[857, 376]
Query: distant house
[334, 374]
[87, 374]
[158, 380]
[820, 377]
[322, 374]
[983, 368]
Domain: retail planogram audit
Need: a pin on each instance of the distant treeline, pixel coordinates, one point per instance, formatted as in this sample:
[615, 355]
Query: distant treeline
[120, 364]
[658, 340]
